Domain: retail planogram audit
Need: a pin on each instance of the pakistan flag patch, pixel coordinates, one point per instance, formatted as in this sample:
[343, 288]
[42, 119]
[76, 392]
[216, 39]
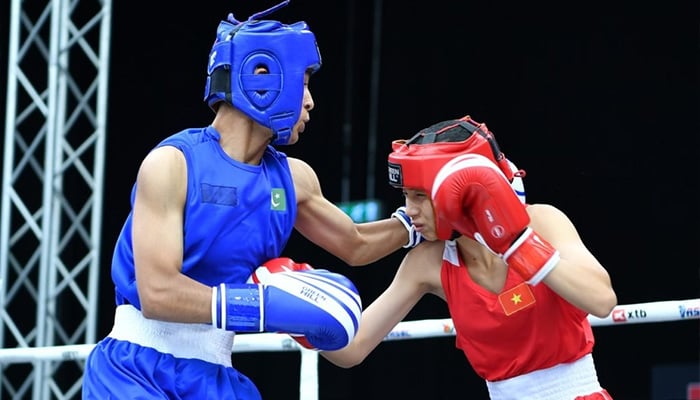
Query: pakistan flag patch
[278, 201]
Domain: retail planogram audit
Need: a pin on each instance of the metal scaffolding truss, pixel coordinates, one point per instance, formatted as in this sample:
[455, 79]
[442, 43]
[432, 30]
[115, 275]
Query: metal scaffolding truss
[52, 184]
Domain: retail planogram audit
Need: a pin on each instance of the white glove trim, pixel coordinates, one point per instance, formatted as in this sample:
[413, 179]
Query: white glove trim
[518, 242]
[545, 270]
[336, 301]
[414, 238]
[261, 305]
[461, 162]
[214, 302]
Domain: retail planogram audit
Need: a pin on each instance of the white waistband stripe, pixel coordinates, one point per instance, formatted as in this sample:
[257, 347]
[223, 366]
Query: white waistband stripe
[200, 341]
[561, 382]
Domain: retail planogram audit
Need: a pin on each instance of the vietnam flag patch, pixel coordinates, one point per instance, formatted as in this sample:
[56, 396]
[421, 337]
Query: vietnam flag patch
[516, 299]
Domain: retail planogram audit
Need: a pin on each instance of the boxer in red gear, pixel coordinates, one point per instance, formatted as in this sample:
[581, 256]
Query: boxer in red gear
[517, 278]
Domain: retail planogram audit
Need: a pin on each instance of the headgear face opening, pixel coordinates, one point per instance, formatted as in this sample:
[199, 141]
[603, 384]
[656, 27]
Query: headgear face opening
[414, 163]
[273, 99]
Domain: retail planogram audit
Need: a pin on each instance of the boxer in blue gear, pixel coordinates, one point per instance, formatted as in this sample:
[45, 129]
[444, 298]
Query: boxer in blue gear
[209, 206]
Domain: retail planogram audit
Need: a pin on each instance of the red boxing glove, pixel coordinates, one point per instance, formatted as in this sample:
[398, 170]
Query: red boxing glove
[275, 265]
[301, 339]
[281, 264]
[473, 197]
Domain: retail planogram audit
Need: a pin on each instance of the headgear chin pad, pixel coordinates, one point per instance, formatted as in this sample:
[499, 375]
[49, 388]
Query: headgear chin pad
[414, 163]
[273, 99]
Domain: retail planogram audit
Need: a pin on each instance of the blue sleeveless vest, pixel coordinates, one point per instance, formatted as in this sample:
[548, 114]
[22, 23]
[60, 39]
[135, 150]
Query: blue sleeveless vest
[236, 215]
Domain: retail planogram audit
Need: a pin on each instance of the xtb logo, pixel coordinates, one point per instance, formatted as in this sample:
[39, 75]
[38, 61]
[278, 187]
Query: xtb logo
[619, 316]
[624, 316]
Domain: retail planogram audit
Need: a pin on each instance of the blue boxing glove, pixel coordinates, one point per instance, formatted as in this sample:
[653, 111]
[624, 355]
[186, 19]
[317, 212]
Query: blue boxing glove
[323, 306]
[414, 238]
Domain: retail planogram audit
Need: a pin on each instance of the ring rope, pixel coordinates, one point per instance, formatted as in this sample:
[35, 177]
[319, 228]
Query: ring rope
[661, 311]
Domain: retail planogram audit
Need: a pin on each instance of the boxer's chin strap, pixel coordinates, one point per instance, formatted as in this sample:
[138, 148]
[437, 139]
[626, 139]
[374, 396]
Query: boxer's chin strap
[280, 125]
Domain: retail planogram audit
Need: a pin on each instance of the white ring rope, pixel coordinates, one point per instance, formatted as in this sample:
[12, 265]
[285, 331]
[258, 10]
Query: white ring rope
[660, 311]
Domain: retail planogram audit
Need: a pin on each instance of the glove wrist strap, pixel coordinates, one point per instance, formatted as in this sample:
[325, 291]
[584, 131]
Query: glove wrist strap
[531, 257]
[238, 307]
[414, 238]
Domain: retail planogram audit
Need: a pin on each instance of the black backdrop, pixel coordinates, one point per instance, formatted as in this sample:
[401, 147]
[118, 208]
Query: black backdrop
[599, 105]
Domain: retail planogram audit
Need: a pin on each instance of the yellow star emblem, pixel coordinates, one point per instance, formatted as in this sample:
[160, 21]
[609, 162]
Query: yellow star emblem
[516, 298]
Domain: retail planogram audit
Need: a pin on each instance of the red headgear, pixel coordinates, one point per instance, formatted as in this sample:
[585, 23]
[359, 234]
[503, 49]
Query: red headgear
[414, 163]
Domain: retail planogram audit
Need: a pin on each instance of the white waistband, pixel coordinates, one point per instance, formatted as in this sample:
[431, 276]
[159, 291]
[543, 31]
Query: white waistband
[561, 382]
[200, 341]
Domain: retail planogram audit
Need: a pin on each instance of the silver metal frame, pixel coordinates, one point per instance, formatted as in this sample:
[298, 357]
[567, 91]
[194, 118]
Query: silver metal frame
[52, 187]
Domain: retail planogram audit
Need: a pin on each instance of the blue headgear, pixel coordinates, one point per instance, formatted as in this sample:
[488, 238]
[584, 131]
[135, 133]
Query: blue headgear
[274, 99]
